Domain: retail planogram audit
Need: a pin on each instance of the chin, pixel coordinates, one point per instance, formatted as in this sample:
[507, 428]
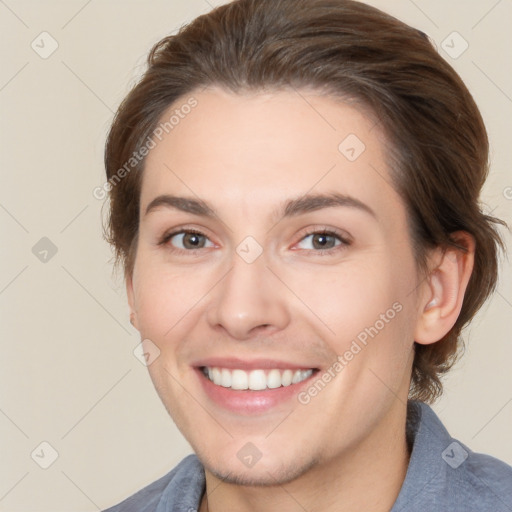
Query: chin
[262, 474]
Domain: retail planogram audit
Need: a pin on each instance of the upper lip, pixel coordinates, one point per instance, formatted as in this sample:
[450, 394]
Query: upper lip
[253, 364]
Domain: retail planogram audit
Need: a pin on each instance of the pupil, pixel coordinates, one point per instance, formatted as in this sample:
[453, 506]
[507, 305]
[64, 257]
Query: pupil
[192, 240]
[321, 241]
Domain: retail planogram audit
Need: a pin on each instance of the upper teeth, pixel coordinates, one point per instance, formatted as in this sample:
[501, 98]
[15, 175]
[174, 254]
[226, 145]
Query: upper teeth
[255, 379]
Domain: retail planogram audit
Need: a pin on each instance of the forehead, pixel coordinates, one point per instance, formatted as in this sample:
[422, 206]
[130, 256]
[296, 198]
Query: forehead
[251, 150]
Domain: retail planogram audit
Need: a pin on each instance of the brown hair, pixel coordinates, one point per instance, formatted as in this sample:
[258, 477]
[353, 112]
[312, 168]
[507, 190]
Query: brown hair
[438, 143]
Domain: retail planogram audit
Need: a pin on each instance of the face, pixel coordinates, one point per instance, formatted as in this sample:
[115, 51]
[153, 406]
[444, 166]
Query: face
[274, 254]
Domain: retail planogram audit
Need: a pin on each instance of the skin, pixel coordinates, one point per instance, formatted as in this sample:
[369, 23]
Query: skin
[245, 155]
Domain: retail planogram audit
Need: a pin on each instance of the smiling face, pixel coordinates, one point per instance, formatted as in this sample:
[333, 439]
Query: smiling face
[270, 244]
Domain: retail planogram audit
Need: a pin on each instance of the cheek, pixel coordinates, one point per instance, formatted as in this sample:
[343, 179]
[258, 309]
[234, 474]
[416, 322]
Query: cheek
[166, 299]
[347, 297]
[366, 301]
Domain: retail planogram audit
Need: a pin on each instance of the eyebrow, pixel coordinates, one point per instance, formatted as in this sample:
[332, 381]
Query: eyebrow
[184, 204]
[291, 208]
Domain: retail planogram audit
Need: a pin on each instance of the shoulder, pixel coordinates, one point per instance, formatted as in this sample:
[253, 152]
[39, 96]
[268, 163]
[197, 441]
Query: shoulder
[444, 474]
[485, 481]
[186, 479]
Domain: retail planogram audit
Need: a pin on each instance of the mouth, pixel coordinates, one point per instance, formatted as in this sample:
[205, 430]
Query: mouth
[255, 380]
[251, 388]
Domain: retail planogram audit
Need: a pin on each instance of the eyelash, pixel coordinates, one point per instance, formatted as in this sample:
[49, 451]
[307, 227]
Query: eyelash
[344, 240]
[167, 237]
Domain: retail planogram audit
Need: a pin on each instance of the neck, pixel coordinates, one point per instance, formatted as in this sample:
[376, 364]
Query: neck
[365, 477]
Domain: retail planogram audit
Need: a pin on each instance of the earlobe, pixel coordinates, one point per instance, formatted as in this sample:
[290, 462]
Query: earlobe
[444, 289]
[131, 301]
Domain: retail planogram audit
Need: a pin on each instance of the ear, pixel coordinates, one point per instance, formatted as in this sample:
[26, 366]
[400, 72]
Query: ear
[131, 301]
[444, 288]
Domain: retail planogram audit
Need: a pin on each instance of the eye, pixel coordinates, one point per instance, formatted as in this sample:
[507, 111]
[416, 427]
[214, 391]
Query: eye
[188, 240]
[321, 241]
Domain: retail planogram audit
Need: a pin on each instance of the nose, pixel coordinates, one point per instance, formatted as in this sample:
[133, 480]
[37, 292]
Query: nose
[249, 300]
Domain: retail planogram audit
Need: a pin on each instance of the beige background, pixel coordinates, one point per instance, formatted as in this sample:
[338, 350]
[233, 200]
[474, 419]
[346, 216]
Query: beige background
[68, 374]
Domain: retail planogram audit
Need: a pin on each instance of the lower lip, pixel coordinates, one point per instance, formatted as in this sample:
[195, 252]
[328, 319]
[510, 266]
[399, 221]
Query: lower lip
[248, 401]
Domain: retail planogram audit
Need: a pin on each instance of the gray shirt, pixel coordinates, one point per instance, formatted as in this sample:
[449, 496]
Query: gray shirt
[443, 475]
